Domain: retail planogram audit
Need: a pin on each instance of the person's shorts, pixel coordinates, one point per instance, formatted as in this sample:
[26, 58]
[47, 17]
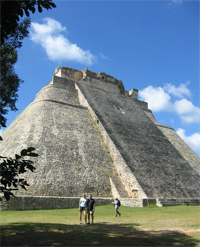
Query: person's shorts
[91, 212]
[82, 208]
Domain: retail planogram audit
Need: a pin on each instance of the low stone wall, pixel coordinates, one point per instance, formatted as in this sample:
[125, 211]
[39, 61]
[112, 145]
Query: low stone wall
[45, 202]
[178, 201]
[48, 202]
[136, 202]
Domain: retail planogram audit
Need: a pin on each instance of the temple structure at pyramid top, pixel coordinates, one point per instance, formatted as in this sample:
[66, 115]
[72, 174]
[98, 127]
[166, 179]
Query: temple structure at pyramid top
[90, 76]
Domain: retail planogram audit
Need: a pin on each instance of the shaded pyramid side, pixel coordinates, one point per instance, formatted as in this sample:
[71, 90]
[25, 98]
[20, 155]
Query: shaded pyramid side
[72, 159]
[192, 158]
[158, 166]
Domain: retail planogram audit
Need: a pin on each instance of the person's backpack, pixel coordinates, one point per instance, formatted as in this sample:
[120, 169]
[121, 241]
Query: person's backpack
[119, 203]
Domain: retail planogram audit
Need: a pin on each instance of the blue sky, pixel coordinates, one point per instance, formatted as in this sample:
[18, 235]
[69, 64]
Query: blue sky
[149, 45]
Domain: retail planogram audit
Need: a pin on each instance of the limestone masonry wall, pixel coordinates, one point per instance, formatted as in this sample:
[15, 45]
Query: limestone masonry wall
[182, 147]
[49, 202]
[92, 136]
[127, 177]
[46, 202]
[158, 167]
[72, 158]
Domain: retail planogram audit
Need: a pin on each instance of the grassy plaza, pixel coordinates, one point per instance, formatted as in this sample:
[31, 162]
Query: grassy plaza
[148, 226]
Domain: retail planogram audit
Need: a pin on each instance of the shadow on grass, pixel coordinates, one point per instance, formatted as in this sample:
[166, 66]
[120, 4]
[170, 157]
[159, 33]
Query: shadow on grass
[39, 234]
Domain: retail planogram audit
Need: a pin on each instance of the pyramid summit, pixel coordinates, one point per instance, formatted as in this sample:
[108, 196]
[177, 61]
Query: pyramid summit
[93, 136]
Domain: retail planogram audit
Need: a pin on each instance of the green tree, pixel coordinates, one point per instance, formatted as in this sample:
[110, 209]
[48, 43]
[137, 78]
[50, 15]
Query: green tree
[9, 80]
[13, 11]
[10, 170]
[13, 30]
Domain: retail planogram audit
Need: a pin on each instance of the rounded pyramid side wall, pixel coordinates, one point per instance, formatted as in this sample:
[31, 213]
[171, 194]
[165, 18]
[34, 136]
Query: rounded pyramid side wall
[72, 158]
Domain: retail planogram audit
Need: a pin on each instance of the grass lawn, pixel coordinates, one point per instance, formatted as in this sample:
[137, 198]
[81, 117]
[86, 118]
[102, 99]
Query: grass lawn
[149, 226]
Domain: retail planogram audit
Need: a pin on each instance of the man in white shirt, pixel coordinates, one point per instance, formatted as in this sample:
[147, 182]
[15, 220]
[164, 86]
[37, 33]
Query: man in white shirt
[82, 207]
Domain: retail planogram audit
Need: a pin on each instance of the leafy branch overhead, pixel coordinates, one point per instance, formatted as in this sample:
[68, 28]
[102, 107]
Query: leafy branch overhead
[13, 11]
[9, 80]
[10, 170]
[14, 28]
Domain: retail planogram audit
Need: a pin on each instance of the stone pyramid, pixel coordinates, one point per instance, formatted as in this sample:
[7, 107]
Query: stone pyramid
[92, 136]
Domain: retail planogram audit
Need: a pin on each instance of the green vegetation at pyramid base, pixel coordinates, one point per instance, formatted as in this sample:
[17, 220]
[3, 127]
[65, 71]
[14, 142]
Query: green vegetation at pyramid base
[149, 226]
[12, 168]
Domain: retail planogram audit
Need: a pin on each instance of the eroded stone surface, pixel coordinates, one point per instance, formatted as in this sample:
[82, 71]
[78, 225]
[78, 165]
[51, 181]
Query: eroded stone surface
[94, 137]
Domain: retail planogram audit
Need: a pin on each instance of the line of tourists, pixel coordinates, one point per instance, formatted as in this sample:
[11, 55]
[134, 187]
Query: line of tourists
[88, 207]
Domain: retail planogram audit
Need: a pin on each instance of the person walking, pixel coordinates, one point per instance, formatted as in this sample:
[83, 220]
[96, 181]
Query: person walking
[90, 208]
[82, 207]
[117, 204]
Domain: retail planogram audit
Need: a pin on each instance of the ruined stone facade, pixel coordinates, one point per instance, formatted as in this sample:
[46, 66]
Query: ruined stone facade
[92, 136]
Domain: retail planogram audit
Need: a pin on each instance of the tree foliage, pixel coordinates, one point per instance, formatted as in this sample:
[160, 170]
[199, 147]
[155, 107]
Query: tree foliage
[13, 30]
[13, 11]
[10, 170]
[9, 80]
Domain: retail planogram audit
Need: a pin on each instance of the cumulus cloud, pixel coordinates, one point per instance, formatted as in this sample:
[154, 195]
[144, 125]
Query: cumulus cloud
[193, 141]
[178, 92]
[159, 99]
[156, 97]
[57, 46]
[187, 111]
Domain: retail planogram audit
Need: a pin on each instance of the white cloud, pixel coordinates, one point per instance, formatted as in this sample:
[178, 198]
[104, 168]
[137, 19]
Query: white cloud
[157, 99]
[187, 111]
[56, 45]
[193, 141]
[178, 92]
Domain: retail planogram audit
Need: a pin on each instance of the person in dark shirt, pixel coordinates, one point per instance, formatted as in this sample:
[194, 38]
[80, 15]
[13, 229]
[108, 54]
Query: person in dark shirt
[91, 208]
